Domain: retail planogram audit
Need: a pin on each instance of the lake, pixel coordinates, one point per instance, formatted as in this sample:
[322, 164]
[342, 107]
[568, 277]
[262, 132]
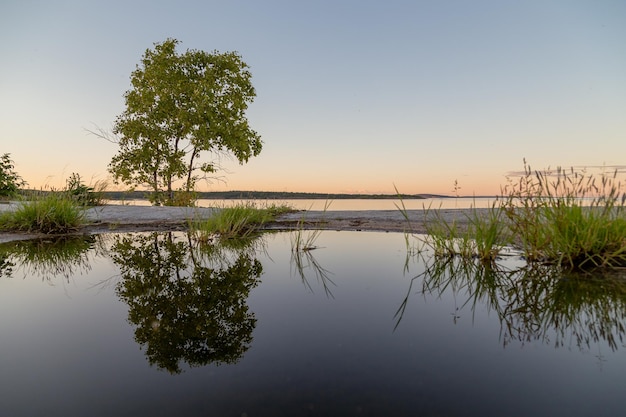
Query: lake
[365, 325]
[345, 204]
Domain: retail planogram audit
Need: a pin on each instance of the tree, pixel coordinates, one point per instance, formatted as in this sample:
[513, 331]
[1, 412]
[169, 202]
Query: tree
[10, 181]
[180, 106]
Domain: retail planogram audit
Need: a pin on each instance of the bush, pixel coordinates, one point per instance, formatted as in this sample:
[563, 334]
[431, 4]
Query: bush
[182, 199]
[83, 194]
[10, 181]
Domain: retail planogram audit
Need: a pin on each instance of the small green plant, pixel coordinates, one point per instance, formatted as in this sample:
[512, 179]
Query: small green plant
[52, 213]
[447, 239]
[302, 241]
[182, 198]
[487, 231]
[83, 194]
[241, 220]
[10, 181]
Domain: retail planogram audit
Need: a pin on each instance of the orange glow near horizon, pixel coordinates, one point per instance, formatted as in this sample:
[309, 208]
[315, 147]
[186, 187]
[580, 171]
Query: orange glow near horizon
[255, 176]
[405, 187]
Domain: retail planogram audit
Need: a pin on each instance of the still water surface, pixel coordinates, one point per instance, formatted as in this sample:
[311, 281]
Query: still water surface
[346, 204]
[151, 324]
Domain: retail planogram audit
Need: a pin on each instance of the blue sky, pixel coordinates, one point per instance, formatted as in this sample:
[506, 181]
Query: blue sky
[352, 96]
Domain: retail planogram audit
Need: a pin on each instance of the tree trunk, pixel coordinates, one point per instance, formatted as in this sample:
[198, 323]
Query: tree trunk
[190, 169]
[170, 192]
[155, 183]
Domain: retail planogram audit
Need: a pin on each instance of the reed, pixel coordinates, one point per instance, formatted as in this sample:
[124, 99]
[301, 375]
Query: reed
[488, 232]
[446, 238]
[483, 237]
[575, 220]
[302, 241]
[567, 218]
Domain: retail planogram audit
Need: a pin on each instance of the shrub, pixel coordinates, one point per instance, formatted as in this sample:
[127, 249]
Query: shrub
[10, 181]
[83, 194]
[182, 198]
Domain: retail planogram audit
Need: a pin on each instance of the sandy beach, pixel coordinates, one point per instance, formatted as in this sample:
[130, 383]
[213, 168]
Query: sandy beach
[120, 218]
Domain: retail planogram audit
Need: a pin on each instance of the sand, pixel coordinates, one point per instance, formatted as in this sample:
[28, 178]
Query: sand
[120, 218]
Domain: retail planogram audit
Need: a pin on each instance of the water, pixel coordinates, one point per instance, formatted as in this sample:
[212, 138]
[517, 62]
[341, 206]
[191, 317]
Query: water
[151, 324]
[347, 204]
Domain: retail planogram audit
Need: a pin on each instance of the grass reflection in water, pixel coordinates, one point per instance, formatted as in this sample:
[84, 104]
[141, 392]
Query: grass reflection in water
[534, 302]
[241, 304]
[66, 256]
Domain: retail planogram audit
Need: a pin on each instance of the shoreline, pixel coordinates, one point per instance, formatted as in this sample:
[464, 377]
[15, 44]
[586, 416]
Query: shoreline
[120, 219]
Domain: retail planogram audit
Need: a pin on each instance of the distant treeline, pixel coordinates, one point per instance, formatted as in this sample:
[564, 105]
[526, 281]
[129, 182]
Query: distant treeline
[268, 195]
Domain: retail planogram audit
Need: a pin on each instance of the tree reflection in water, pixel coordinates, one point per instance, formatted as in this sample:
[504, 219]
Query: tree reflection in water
[187, 301]
[535, 302]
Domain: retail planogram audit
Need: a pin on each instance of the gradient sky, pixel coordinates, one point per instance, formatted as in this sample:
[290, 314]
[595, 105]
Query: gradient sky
[352, 96]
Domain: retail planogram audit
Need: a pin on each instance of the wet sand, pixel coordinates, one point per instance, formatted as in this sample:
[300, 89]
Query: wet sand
[369, 220]
[119, 218]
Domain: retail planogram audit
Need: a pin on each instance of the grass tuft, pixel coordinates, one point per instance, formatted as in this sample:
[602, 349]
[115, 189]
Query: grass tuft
[54, 212]
[570, 219]
[239, 221]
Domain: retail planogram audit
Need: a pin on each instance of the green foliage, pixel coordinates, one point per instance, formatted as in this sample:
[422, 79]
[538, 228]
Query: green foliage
[83, 194]
[574, 220]
[182, 199]
[10, 181]
[488, 231]
[55, 212]
[482, 238]
[181, 106]
[446, 239]
[241, 220]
